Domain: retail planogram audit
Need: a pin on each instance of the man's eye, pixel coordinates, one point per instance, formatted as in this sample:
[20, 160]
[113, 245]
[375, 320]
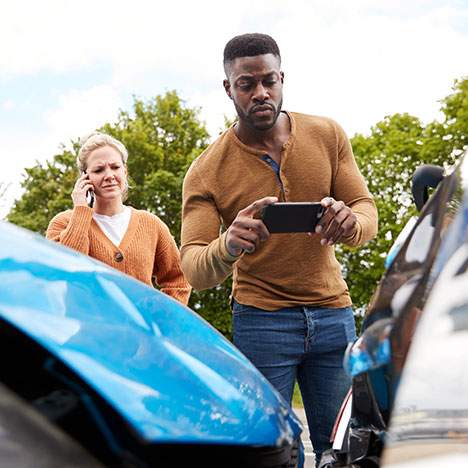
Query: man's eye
[245, 86]
[270, 83]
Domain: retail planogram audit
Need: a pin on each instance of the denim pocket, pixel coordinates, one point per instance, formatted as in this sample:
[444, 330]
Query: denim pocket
[349, 325]
[336, 328]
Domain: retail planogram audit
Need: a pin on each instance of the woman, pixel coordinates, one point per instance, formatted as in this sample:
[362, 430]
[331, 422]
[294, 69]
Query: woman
[135, 242]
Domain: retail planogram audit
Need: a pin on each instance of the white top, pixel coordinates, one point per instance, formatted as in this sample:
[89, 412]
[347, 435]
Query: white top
[114, 227]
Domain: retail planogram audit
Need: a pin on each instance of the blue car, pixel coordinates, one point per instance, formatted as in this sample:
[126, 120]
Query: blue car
[100, 369]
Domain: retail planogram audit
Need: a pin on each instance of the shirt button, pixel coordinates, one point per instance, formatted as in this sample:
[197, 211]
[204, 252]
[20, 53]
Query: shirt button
[118, 257]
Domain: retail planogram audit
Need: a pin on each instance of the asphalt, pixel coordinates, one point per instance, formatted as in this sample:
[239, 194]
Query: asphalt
[308, 451]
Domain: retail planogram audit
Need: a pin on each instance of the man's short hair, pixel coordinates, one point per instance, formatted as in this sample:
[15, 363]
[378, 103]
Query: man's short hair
[250, 45]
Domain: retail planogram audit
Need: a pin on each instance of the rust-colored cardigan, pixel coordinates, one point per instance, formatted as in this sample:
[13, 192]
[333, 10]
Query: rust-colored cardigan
[147, 249]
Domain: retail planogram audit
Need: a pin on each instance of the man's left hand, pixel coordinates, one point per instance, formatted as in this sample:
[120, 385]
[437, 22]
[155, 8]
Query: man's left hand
[337, 222]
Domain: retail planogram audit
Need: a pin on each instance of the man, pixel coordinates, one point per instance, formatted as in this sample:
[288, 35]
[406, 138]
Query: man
[291, 307]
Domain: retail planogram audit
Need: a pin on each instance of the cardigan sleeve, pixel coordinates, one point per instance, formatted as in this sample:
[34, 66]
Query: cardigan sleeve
[71, 228]
[167, 269]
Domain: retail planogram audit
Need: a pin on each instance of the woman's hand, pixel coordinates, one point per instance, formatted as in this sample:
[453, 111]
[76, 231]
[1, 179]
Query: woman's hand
[82, 186]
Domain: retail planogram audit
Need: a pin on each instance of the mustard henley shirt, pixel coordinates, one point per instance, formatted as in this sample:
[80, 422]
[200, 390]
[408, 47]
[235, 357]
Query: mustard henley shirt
[288, 269]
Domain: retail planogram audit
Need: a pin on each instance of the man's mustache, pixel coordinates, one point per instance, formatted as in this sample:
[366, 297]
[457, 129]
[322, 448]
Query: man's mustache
[260, 107]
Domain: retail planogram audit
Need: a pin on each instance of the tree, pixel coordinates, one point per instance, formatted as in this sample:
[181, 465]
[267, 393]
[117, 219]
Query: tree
[388, 158]
[162, 136]
[47, 188]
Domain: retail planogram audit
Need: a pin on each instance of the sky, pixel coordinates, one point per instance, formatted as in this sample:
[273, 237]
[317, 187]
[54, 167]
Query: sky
[67, 67]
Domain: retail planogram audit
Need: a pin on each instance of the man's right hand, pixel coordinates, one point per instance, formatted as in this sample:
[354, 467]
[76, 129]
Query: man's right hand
[246, 232]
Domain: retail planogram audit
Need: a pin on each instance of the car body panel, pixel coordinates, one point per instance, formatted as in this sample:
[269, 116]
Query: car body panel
[171, 375]
[431, 406]
[426, 454]
[401, 306]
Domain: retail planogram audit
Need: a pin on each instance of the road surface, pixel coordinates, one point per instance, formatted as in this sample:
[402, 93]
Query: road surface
[308, 452]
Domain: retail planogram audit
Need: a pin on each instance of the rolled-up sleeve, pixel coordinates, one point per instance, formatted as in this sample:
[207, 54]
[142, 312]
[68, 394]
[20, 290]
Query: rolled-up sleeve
[350, 187]
[205, 259]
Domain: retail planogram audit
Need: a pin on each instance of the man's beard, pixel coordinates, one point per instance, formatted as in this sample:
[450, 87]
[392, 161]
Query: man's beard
[259, 125]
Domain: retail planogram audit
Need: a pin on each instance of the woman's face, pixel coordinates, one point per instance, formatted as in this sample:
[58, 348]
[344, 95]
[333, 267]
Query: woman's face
[107, 172]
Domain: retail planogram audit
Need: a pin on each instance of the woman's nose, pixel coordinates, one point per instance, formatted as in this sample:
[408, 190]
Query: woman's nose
[109, 174]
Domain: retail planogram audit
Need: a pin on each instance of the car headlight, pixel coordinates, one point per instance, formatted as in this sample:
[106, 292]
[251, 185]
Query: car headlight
[371, 350]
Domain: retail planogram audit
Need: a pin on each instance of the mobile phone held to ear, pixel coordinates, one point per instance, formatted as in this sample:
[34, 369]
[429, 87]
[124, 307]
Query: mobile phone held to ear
[292, 216]
[89, 195]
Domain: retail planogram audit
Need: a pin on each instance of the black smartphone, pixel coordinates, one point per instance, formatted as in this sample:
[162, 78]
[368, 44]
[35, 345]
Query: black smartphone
[89, 195]
[285, 217]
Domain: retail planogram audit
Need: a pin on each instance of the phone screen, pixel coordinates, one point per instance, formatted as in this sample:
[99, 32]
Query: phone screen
[292, 216]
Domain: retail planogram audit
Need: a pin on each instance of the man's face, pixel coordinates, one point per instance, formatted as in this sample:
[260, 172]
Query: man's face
[255, 85]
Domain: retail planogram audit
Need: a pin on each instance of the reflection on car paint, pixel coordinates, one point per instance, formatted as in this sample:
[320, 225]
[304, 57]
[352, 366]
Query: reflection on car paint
[432, 401]
[169, 374]
[371, 350]
[399, 302]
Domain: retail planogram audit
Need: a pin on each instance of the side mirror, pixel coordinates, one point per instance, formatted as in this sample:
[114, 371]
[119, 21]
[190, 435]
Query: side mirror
[424, 177]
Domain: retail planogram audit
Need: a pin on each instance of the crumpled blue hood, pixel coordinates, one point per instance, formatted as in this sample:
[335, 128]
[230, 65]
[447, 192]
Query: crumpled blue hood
[171, 375]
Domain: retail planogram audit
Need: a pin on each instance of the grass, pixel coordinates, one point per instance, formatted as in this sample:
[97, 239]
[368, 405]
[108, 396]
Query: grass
[297, 399]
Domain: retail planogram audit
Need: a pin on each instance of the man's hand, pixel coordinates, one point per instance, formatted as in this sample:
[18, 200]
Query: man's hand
[337, 222]
[246, 232]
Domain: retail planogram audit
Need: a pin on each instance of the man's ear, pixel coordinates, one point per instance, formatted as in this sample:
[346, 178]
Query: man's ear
[282, 77]
[227, 88]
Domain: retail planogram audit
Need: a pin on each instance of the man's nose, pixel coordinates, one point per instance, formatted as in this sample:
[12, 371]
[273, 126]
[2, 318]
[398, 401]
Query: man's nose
[260, 92]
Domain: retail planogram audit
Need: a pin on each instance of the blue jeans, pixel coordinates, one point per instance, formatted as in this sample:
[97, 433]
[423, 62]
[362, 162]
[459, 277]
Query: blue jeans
[303, 343]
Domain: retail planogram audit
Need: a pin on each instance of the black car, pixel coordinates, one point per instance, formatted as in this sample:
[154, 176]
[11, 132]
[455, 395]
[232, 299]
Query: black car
[402, 388]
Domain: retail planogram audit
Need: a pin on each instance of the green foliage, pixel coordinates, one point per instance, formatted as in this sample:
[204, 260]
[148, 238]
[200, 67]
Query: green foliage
[47, 188]
[163, 136]
[213, 305]
[387, 158]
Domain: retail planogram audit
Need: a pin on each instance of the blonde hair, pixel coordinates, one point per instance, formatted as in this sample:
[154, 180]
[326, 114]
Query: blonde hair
[98, 140]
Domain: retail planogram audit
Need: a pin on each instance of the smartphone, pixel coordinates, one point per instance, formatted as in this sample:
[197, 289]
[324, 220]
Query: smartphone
[292, 216]
[89, 195]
